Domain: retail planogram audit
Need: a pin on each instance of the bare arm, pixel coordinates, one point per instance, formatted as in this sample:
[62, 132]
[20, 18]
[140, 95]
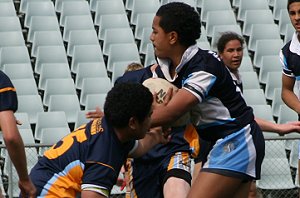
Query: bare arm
[153, 137]
[288, 95]
[91, 194]
[180, 103]
[281, 129]
[15, 148]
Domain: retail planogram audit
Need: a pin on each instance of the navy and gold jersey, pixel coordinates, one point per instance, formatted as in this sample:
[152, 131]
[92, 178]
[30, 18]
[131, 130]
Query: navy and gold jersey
[8, 96]
[89, 158]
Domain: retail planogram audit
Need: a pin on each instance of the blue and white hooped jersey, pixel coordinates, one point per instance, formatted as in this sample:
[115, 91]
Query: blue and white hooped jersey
[89, 158]
[221, 108]
[290, 60]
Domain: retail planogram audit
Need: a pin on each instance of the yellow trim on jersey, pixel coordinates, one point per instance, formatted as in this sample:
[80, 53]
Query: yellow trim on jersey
[7, 89]
[192, 137]
[101, 164]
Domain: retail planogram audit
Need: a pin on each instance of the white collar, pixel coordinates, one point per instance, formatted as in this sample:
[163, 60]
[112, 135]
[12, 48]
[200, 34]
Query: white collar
[187, 55]
[295, 44]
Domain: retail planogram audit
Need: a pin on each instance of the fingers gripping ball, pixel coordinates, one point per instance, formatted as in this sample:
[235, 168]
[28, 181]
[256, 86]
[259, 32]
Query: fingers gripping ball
[161, 87]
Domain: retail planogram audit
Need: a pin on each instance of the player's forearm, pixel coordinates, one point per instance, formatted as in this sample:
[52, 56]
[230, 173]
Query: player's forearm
[15, 148]
[291, 100]
[266, 125]
[145, 145]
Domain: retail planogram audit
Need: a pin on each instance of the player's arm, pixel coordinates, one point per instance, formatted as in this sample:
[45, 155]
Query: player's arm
[15, 148]
[281, 129]
[288, 95]
[91, 194]
[180, 103]
[154, 136]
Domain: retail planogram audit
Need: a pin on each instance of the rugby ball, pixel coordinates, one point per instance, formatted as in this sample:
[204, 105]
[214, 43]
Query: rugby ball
[161, 87]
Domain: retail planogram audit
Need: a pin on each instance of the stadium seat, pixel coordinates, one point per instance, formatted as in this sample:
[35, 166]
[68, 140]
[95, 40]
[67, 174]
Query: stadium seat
[45, 38]
[275, 149]
[266, 47]
[53, 71]
[293, 159]
[13, 55]
[49, 120]
[73, 8]
[23, 5]
[228, 18]
[80, 22]
[59, 4]
[38, 8]
[271, 31]
[275, 175]
[86, 54]
[205, 45]
[7, 8]
[250, 80]
[144, 20]
[288, 34]
[25, 86]
[278, 6]
[18, 71]
[81, 119]
[122, 52]
[145, 39]
[284, 19]
[69, 103]
[149, 57]
[269, 63]
[88, 87]
[273, 81]
[42, 23]
[24, 119]
[30, 104]
[143, 6]
[118, 70]
[95, 100]
[256, 17]
[111, 21]
[81, 37]
[246, 64]
[108, 7]
[58, 86]
[10, 23]
[213, 5]
[89, 70]
[277, 101]
[254, 97]
[250, 5]
[286, 114]
[113, 36]
[49, 54]
[12, 38]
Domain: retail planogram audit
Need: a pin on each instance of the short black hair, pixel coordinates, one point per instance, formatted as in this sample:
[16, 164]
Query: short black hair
[181, 18]
[289, 2]
[226, 37]
[126, 100]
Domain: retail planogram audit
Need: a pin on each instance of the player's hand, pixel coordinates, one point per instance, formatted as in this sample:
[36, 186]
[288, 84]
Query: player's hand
[95, 114]
[162, 136]
[166, 99]
[27, 188]
[289, 128]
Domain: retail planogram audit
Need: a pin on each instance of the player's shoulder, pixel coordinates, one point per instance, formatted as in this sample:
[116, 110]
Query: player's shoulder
[4, 80]
[137, 76]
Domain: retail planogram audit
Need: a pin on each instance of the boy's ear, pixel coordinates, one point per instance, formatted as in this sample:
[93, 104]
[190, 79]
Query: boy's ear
[173, 37]
[132, 123]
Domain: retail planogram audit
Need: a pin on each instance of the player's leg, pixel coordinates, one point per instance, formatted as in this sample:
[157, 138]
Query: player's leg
[252, 192]
[212, 185]
[177, 179]
[176, 187]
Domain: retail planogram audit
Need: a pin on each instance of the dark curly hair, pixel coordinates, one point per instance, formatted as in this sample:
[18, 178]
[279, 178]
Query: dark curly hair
[126, 100]
[226, 37]
[181, 18]
[289, 2]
